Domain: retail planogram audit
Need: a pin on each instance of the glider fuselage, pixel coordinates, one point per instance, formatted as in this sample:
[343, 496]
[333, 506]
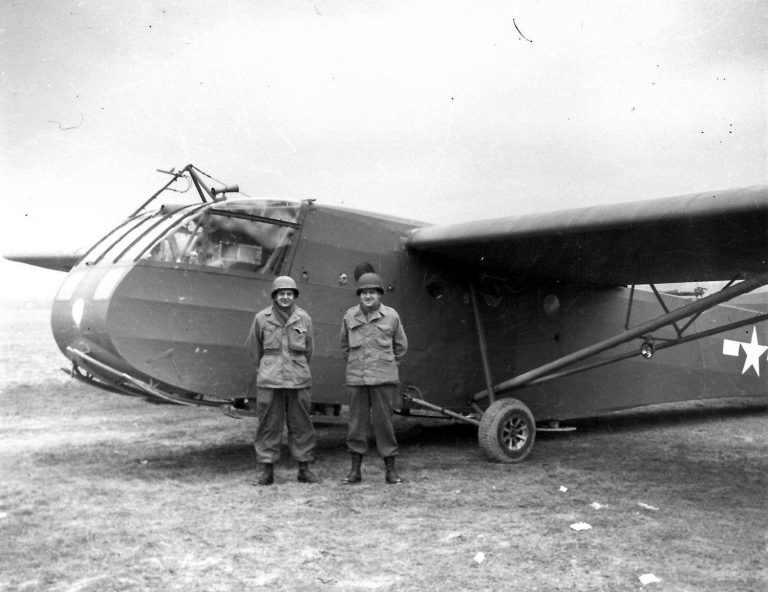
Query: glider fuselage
[171, 302]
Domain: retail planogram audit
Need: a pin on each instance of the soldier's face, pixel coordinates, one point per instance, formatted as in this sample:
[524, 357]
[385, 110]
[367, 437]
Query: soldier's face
[284, 298]
[370, 298]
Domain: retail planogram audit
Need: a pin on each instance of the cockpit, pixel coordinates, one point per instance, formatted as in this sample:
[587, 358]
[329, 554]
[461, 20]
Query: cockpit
[249, 235]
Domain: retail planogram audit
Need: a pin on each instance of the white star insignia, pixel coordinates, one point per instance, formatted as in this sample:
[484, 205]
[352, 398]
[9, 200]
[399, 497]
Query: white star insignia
[753, 351]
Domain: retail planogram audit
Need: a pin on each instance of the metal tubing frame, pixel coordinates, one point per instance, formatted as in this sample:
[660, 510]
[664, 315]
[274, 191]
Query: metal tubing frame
[483, 344]
[661, 346]
[549, 371]
[629, 306]
[667, 311]
[443, 410]
[202, 189]
[141, 386]
[174, 176]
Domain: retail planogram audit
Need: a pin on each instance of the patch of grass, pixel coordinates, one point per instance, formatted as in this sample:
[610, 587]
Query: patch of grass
[102, 492]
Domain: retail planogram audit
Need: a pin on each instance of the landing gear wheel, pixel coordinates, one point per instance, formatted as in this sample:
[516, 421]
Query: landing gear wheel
[507, 431]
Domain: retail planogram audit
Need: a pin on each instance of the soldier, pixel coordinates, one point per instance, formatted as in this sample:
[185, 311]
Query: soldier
[280, 343]
[373, 341]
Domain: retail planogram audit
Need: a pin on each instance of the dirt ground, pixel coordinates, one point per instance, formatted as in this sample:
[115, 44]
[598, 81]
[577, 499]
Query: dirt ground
[108, 493]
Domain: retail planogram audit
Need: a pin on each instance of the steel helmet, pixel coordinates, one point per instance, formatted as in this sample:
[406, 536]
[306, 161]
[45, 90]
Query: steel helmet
[369, 281]
[284, 282]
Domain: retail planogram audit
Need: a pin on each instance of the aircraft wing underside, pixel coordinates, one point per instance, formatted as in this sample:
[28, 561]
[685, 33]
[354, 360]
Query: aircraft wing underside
[702, 237]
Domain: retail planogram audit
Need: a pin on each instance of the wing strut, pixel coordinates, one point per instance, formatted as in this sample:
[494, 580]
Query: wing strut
[549, 371]
[483, 344]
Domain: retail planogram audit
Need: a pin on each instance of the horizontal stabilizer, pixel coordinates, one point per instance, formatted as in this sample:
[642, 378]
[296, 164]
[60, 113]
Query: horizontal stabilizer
[56, 260]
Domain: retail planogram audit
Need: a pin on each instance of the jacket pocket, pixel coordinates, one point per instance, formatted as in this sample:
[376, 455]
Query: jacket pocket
[297, 338]
[273, 338]
[300, 370]
[356, 336]
[382, 334]
[267, 370]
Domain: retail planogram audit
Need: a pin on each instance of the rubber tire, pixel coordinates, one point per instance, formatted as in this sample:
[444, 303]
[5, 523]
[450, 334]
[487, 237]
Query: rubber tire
[494, 434]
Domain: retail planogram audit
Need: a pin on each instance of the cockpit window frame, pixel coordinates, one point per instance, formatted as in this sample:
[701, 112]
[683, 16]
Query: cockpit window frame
[136, 220]
[286, 258]
[173, 223]
[254, 217]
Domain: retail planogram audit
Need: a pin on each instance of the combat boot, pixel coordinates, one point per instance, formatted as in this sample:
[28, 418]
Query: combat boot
[306, 475]
[354, 475]
[265, 474]
[391, 475]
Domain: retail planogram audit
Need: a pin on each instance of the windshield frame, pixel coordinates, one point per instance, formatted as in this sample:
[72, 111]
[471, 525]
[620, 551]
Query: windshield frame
[291, 216]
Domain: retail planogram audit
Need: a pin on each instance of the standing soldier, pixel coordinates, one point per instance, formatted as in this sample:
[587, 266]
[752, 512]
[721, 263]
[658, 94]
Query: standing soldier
[280, 342]
[373, 342]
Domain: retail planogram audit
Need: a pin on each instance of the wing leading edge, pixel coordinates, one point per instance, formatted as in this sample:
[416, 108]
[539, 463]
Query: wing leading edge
[701, 237]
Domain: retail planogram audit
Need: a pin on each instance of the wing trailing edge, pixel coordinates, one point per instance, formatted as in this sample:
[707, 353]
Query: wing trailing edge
[702, 237]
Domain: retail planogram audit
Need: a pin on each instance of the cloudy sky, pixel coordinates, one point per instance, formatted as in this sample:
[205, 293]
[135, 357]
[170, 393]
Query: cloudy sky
[440, 111]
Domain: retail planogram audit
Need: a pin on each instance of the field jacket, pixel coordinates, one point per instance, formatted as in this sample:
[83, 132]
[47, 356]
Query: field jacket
[281, 352]
[372, 346]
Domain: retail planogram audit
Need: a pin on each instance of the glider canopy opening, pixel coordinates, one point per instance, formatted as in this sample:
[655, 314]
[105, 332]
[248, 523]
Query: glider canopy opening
[246, 235]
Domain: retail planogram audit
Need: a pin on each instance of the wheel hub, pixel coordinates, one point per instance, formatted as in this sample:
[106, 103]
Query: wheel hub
[514, 433]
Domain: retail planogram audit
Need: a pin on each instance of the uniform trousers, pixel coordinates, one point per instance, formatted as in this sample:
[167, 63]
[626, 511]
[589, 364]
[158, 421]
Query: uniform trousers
[371, 406]
[275, 408]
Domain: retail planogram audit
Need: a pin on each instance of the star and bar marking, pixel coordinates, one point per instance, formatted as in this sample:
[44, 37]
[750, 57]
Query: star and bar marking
[752, 349]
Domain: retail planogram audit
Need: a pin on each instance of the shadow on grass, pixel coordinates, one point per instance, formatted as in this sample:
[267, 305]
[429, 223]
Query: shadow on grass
[416, 432]
[430, 444]
[687, 414]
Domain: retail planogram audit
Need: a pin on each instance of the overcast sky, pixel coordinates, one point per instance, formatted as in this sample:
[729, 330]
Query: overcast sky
[441, 111]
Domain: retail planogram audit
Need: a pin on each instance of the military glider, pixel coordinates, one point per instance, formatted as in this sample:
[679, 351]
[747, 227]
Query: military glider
[515, 323]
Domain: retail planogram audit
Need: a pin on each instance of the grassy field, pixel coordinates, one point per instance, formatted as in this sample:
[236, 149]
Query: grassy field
[103, 492]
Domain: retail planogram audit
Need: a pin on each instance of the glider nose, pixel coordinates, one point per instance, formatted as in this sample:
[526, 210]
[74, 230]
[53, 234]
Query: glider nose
[79, 311]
